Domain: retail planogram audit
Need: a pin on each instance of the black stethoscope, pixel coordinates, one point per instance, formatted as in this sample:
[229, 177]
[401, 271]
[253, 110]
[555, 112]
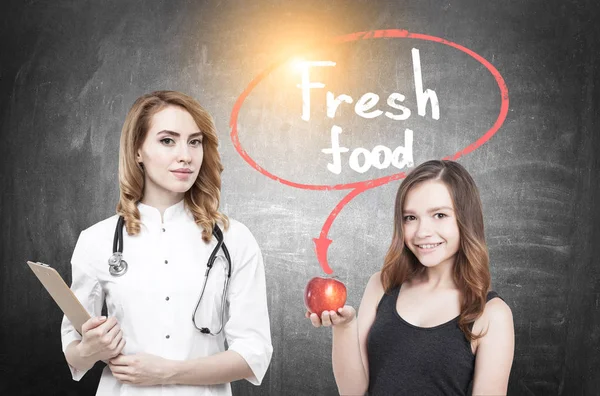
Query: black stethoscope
[118, 267]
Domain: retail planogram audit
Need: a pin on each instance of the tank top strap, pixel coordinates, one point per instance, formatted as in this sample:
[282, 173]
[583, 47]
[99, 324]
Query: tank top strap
[492, 294]
[389, 299]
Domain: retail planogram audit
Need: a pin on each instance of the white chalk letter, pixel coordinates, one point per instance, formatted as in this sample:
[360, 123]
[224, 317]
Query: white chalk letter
[367, 102]
[406, 152]
[334, 103]
[392, 102]
[307, 85]
[335, 150]
[423, 96]
[354, 160]
[376, 157]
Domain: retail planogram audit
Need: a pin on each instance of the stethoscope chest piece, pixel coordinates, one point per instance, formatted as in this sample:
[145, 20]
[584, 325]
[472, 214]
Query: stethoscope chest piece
[117, 266]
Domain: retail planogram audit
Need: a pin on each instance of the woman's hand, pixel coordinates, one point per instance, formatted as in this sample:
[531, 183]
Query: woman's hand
[102, 338]
[341, 318]
[140, 369]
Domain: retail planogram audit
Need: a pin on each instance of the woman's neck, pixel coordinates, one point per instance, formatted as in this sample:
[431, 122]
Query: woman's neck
[439, 276]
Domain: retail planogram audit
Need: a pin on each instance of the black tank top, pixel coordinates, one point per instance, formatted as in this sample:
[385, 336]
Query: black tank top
[408, 360]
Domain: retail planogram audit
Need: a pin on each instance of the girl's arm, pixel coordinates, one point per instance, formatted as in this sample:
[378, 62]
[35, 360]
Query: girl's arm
[349, 349]
[495, 350]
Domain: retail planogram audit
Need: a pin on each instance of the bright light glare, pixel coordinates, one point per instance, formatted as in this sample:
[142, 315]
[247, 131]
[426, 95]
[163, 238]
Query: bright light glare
[298, 64]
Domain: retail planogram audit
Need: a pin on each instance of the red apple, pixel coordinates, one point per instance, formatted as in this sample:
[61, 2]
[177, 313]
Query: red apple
[324, 294]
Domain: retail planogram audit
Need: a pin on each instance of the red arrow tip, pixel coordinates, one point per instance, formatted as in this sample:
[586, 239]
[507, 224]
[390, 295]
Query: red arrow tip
[321, 246]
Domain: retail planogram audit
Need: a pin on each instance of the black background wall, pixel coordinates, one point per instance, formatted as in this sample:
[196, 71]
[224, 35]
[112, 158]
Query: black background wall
[70, 70]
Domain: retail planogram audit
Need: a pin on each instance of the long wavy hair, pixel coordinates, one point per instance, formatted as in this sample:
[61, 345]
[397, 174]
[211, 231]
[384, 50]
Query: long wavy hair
[471, 269]
[203, 198]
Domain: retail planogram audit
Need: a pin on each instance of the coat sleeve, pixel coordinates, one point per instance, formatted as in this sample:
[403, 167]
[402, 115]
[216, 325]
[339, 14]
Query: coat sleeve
[88, 291]
[247, 329]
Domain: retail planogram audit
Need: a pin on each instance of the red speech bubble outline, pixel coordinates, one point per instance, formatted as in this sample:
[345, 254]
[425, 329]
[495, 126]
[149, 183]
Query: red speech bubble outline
[322, 243]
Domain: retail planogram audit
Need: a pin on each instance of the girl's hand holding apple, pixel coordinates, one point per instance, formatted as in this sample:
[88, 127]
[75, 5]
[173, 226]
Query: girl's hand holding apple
[324, 299]
[342, 317]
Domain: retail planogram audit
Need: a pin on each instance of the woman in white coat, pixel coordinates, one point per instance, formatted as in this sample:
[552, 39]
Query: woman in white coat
[169, 177]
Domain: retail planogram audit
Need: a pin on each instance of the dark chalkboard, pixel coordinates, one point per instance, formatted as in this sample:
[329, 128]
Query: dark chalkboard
[515, 86]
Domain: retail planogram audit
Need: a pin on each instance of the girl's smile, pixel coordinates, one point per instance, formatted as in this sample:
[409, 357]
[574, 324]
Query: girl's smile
[430, 227]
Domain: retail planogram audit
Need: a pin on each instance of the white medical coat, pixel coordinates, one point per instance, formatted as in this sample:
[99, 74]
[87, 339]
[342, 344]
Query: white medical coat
[154, 301]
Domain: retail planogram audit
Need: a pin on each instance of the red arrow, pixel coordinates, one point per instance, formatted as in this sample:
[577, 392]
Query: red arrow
[321, 245]
[322, 242]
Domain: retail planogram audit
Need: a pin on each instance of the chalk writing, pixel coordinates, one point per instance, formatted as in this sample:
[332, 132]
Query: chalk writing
[380, 157]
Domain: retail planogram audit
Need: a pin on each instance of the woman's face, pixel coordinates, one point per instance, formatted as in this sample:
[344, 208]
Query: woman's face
[429, 224]
[171, 154]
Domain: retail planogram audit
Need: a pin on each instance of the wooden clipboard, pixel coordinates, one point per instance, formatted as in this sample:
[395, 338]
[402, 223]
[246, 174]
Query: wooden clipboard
[61, 293]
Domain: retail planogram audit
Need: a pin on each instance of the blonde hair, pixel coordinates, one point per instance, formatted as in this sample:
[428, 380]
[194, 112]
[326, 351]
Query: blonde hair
[203, 198]
[471, 268]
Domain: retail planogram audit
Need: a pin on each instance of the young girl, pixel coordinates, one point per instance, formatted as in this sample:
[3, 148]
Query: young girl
[428, 324]
[158, 338]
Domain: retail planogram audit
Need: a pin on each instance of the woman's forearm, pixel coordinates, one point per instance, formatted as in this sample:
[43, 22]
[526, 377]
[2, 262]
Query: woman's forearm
[220, 368]
[348, 369]
[75, 360]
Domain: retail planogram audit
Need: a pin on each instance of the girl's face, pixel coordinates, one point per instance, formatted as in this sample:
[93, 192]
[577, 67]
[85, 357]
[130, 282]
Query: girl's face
[429, 224]
[172, 153]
